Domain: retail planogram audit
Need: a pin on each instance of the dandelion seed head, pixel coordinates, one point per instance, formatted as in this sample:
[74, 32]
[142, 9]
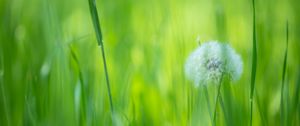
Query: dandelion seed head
[210, 61]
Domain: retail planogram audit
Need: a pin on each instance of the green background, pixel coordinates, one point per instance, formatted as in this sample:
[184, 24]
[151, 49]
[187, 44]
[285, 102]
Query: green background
[51, 69]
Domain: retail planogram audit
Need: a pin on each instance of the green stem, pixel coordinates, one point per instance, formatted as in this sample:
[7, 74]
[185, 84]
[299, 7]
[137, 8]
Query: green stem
[208, 103]
[224, 111]
[96, 22]
[216, 103]
[254, 62]
[283, 79]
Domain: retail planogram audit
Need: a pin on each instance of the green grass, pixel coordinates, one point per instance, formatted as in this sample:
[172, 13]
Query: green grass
[254, 63]
[282, 114]
[52, 72]
[96, 22]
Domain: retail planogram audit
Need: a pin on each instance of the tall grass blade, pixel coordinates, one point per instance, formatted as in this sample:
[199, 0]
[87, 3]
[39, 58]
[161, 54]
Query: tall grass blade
[282, 120]
[96, 22]
[254, 62]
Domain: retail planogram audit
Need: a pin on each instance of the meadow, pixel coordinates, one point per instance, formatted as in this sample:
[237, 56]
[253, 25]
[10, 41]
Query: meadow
[53, 73]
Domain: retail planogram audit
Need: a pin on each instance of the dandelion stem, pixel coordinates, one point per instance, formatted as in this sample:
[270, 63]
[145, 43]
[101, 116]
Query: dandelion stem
[224, 110]
[96, 22]
[216, 103]
[254, 62]
[283, 77]
[208, 103]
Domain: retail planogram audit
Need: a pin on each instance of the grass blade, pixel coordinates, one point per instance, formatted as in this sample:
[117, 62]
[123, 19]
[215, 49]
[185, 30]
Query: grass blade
[283, 78]
[96, 23]
[254, 63]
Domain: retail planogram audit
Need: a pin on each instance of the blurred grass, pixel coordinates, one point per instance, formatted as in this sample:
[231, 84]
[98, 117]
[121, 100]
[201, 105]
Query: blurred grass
[254, 62]
[95, 18]
[50, 64]
[282, 105]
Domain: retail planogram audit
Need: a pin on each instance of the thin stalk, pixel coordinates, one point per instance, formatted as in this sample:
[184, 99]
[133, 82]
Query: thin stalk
[96, 23]
[216, 103]
[208, 104]
[283, 77]
[254, 63]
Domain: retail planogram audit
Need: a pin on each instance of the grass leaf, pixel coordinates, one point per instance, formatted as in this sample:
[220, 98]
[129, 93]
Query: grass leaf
[254, 63]
[96, 22]
[282, 116]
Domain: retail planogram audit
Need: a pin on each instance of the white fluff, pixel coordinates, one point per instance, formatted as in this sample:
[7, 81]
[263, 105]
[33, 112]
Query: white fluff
[210, 61]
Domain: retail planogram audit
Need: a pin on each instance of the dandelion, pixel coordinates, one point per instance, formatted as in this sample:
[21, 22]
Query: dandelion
[209, 63]
[212, 60]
